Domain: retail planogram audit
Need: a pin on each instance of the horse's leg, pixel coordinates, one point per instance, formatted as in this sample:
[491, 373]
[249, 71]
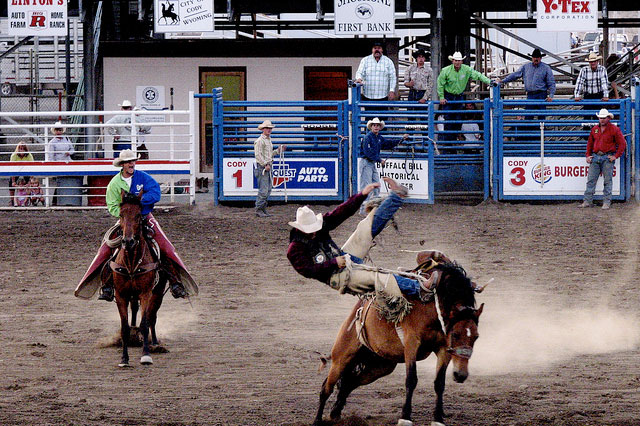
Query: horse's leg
[135, 304]
[411, 380]
[370, 368]
[344, 350]
[124, 328]
[441, 371]
[155, 303]
[144, 328]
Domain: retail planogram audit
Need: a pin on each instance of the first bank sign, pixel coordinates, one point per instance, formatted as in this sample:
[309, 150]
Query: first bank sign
[371, 17]
[567, 15]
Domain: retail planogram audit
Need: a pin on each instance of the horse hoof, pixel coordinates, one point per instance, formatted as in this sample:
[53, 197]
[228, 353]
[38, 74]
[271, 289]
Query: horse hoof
[437, 424]
[403, 422]
[124, 365]
[146, 360]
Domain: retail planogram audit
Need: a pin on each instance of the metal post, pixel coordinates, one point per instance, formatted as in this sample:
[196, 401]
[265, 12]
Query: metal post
[192, 160]
[541, 154]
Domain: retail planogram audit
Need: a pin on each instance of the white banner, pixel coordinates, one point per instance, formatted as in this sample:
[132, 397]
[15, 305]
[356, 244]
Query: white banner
[371, 17]
[412, 174]
[37, 18]
[178, 16]
[562, 176]
[567, 15]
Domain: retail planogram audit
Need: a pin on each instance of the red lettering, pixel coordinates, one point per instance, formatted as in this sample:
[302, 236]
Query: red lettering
[547, 5]
[575, 7]
[564, 4]
[37, 21]
[585, 7]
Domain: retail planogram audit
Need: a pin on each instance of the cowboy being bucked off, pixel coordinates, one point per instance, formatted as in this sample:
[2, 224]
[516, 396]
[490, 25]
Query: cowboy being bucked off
[134, 181]
[313, 254]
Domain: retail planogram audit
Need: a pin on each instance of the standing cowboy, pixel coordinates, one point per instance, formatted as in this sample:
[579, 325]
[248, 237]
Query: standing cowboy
[372, 143]
[592, 82]
[606, 143]
[264, 153]
[452, 82]
[135, 181]
[419, 78]
[122, 134]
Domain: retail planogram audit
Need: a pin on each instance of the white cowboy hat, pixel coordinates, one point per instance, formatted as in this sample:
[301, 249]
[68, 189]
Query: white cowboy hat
[125, 104]
[266, 123]
[307, 221]
[58, 126]
[604, 113]
[593, 56]
[457, 56]
[126, 155]
[375, 121]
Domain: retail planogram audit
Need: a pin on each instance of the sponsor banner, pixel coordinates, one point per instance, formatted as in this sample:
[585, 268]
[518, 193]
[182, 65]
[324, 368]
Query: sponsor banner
[150, 98]
[412, 174]
[37, 17]
[179, 16]
[567, 15]
[308, 176]
[371, 17]
[89, 167]
[562, 176]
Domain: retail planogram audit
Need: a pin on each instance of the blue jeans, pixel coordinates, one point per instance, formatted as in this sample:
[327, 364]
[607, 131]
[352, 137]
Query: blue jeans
[368, 174]
[599, 164]
[264, 186]
[454, 116]
[120, 146]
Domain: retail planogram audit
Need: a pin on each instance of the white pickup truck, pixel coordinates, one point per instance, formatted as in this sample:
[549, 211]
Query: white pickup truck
[40, 61]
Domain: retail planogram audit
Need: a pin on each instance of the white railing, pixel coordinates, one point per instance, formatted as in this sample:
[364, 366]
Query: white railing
[167, 138]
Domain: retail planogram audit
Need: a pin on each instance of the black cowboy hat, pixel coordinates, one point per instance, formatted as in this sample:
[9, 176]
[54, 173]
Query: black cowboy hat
[377, 43]
[418, 53]
[537, 54]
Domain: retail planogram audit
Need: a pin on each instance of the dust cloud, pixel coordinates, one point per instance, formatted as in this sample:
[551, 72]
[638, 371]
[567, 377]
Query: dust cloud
[523, 334]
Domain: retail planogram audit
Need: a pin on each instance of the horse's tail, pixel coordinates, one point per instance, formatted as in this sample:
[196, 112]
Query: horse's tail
[324, 360]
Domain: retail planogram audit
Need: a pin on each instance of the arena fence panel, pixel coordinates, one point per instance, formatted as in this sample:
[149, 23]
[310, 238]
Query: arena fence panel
[81, 180]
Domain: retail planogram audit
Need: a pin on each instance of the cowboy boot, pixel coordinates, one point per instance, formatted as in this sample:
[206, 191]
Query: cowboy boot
[106, 291]
[176, 287]
[428, 286]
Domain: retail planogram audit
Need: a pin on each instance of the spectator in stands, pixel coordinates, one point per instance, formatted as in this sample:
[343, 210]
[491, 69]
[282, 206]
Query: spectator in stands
[60, 147]
[538, 79]
[21, 193]
[592, 81]
[604, 146]
[377, 74]
[35, 192]
[452, 82]
[122, 134]
[372, 143]
[419, 78]
[264, 153]
[21, 153]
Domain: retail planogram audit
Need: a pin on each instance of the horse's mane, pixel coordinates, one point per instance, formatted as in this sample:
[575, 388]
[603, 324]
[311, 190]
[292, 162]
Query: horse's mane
[455, 287]
[129, 198]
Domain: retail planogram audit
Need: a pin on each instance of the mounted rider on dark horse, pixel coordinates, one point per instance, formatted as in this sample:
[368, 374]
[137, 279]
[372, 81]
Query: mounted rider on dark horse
[171, 266]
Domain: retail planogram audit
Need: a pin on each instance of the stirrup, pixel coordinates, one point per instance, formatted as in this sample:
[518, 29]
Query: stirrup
[106, 293]
[177, 290]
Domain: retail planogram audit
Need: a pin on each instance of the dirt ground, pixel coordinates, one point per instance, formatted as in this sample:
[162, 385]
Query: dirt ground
[559, 337]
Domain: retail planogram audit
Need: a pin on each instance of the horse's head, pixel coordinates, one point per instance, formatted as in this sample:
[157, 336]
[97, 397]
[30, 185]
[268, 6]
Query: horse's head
[456, 292]
[130, 219]
[462, 333]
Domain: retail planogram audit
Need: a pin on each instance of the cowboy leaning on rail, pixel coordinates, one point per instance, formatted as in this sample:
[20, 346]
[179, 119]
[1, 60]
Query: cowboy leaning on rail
[135, 181]
[313, 254]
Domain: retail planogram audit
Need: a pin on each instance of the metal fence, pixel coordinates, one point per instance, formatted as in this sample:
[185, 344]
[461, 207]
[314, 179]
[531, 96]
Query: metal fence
[163, 139]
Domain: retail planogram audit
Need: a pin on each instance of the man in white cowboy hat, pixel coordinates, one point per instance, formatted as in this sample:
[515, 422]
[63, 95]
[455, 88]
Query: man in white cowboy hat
[122, 134]
[372, 143]
[135, 181]
[419, 78]
[60, 147]
[452, 82]
[605, 144]
[313, 253]
[593, 81]
[264, 153]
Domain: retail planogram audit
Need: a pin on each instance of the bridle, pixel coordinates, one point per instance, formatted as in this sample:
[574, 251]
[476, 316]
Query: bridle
[138, 268]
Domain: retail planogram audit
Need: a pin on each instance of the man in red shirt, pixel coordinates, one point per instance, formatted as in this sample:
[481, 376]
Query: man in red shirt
[604, 146]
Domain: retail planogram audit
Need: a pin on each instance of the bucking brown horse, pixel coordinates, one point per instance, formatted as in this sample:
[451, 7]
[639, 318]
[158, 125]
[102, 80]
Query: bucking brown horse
[135, 274]
[369, 347]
